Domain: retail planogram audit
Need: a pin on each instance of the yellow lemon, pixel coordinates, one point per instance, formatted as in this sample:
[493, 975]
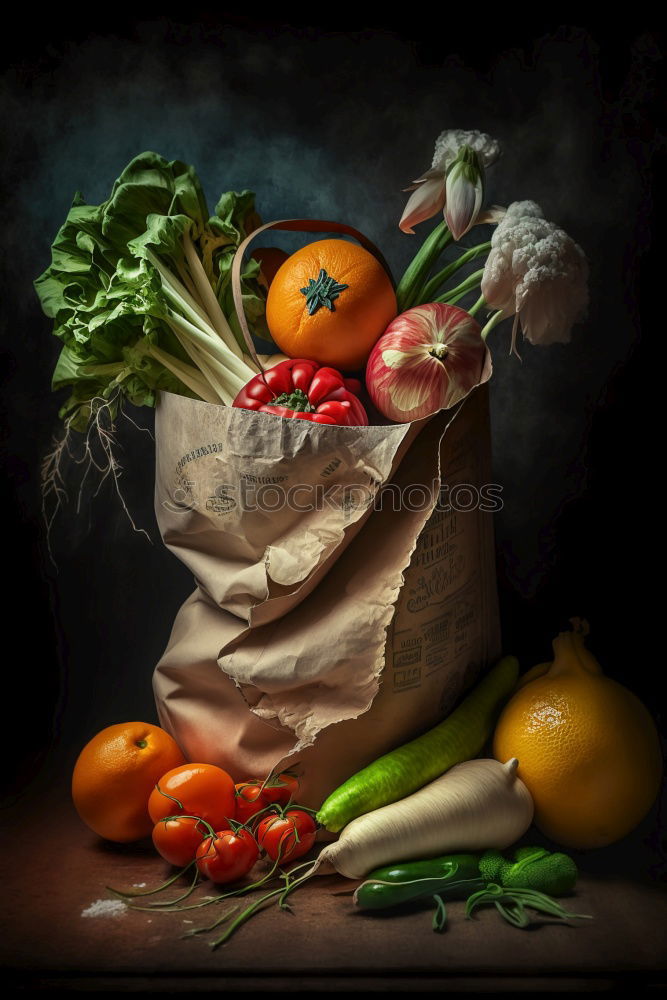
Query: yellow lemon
[588, 748]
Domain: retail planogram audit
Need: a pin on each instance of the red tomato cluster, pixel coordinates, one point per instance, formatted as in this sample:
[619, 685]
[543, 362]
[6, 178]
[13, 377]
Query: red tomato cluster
[254, 797]
[200, 815]
[228, 856]
[288, 836]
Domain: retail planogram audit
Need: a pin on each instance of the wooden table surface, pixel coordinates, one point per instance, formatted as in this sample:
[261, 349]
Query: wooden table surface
[55, 869]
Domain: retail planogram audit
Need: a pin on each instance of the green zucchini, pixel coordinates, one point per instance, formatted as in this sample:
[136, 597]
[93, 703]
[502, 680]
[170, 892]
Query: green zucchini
[409, 767]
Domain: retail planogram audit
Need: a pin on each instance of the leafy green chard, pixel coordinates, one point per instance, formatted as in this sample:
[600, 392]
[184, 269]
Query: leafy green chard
[139, 291]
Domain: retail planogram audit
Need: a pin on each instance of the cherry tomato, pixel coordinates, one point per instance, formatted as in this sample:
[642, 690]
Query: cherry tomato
[287, 837]
[227, 857]
[282, 788]
[177, 840]
[194, 790]
[249, 800]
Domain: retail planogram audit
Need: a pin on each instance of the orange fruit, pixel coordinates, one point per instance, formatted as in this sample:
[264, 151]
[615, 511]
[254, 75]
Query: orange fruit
[115, 774]
[588, 749]
[329, 302]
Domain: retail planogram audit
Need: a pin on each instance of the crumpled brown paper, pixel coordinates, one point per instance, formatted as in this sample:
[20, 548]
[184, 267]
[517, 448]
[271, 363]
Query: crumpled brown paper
[328, 635]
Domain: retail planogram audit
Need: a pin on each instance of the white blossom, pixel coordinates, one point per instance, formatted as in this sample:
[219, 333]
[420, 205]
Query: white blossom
[455, 183]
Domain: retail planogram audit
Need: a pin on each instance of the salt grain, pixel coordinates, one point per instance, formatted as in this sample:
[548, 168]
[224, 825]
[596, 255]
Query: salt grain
[105, 908]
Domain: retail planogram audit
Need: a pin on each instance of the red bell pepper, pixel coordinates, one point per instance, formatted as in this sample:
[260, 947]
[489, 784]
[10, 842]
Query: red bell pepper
[302, 389]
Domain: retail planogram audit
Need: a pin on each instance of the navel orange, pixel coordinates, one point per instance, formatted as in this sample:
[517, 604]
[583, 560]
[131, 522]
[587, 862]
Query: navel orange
[588, 749]
[329, 302]
[115, 774]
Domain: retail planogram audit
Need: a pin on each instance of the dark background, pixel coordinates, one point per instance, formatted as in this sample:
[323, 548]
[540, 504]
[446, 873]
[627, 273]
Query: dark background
[333, 123]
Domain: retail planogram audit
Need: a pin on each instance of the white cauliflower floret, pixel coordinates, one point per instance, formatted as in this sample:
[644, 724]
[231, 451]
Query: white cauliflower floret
[538, 273]
[449, 142]
[523, 210]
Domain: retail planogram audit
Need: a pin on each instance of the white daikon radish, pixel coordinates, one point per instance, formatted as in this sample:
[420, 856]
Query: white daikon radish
[476, 805]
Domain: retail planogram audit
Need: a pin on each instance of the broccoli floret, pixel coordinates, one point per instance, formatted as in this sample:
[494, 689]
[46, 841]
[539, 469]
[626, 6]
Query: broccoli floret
[491, 865]
[554, 874]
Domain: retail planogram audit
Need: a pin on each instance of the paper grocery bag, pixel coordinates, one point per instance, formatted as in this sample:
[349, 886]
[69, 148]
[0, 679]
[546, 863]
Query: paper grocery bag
[345, 584]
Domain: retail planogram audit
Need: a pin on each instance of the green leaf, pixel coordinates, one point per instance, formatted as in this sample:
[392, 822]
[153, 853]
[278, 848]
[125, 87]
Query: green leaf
[148, 185]
[117, 285]
[163, 236]
[235, 216]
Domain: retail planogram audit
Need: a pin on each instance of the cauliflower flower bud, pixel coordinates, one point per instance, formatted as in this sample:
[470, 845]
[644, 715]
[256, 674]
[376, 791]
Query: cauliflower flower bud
[537, 273]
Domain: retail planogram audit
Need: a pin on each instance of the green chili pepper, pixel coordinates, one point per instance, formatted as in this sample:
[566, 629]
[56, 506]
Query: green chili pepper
[457, 875]
[528, 881]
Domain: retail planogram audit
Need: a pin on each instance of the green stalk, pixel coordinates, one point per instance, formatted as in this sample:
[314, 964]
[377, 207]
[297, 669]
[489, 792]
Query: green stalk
[440, 916]
[236, 892]
[409, 287]
[229, 380]
[199, 319]
[196, 322]
[178, 292]
[217, 377]
[209, 299]
[150, 892]
[441, 277]
[467, 285]
[225, 395]
[237, 371]
[189, 376]
[166, 905]
[187, 311]
[481, 301]
[188, 282]
[455, 299]
[496, 318]
[245, 915]
[106, 368]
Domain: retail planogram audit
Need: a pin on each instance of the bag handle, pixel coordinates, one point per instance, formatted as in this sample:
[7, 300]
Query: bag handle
[297, 226]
